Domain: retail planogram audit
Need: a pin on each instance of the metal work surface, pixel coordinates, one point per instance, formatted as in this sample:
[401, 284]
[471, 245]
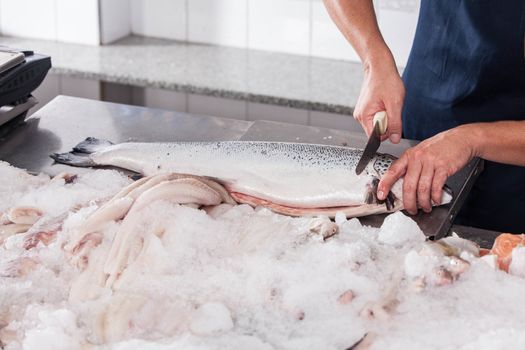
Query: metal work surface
[65, 121]
[484, 238]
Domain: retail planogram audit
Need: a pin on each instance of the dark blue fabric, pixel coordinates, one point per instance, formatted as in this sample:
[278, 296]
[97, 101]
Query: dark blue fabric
[467, 65]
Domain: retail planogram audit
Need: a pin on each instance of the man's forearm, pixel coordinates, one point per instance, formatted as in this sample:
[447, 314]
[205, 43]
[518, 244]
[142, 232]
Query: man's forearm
[502, 142]
[382, 88]
[357, 21]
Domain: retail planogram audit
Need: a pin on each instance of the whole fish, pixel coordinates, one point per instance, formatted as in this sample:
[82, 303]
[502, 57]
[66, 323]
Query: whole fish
[290, 178]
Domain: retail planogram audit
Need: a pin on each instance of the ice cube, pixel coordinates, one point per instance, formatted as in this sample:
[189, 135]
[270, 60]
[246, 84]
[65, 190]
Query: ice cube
[340, 218]
[517, 265]
[398, 229]
[211, 318]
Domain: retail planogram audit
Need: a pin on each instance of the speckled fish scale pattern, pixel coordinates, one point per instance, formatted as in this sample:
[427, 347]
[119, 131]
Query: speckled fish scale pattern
[304, 155]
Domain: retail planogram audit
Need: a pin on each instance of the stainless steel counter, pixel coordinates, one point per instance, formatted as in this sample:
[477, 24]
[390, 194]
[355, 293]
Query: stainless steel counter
[65, 121]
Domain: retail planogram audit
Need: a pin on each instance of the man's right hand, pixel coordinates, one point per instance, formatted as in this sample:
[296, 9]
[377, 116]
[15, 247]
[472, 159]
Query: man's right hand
[382, 90]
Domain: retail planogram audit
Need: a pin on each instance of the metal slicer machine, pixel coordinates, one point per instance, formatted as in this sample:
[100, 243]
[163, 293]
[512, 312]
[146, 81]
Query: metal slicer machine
[21, 72]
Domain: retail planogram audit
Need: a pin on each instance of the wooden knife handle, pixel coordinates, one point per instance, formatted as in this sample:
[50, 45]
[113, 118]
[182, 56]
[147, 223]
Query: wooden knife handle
[381, 119]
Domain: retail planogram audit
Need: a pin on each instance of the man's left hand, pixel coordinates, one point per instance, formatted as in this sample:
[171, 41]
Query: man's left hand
[426, 168]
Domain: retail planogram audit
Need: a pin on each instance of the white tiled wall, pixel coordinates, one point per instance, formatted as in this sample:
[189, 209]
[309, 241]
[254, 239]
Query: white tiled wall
[292, 26]
[327, 40]
[77, 21]
[279, 25]
[397, 23]
[164, 99]
[234, 109]
[159, 18]
[81, 87]
[55, 85]
[64, 20]
[220, 22]
[29, 18]
[115, 21]
[48, 90]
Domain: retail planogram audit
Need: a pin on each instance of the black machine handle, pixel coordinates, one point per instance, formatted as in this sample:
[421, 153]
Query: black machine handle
[18, 82]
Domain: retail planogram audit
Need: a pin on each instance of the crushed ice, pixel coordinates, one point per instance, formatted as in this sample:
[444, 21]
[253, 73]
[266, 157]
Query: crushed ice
[244, 278]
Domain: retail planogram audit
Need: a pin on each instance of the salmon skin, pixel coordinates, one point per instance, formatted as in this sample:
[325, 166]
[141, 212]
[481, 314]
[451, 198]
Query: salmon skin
[295, 178]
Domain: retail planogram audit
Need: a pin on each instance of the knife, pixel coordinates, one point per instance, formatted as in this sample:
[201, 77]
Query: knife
[374, 141]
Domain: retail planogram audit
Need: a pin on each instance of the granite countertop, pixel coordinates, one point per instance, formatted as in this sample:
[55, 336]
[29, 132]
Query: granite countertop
[257, 76]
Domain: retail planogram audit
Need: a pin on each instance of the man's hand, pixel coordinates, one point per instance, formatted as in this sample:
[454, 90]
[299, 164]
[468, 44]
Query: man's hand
[382, 90]
[426, 168]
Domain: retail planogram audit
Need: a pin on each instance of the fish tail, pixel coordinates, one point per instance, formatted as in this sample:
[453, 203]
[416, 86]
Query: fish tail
[91, 145]
[371, 196]
[73, 159]
[80, 156]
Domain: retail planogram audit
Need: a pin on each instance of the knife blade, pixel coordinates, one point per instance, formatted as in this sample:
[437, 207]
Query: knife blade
[374, 141]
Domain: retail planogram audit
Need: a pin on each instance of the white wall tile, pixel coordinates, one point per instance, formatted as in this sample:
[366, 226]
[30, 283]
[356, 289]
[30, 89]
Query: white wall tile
[115, 21]
[218, 107]
[80, 87]
[259, 111]
[279, 25]
[398, 27]
[118, 93]
[78, 21]
[165, 99]
[159, 18]
[334, 121]
[402, 5]
[220, 22]
[29, 18]
[327, 40]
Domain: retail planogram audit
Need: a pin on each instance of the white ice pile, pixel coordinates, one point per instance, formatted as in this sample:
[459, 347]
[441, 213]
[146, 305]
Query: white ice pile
[398, 230]
[517, 266]
[241, 278]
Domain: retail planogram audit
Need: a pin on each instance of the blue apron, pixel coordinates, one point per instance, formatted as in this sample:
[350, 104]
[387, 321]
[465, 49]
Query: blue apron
[467, 65]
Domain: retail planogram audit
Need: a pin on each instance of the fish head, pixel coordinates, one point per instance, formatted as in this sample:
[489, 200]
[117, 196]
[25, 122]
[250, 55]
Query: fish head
[397, 189]
[377, 169]
[392, 201]
[380, 165]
